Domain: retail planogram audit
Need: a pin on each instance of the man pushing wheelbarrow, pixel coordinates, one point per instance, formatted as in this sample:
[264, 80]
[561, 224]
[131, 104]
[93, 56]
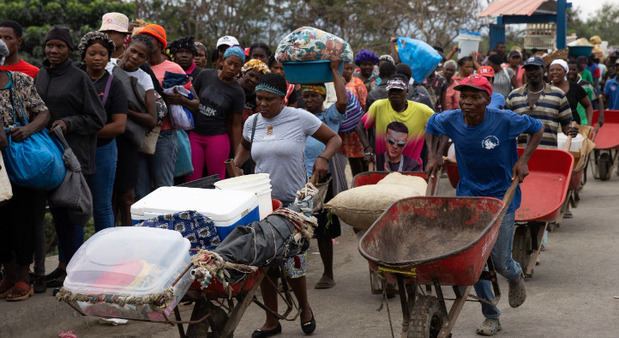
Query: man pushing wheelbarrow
[488, 163]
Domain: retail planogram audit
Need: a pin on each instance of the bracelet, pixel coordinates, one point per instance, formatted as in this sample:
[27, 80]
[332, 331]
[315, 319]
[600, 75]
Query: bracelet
[324, 158]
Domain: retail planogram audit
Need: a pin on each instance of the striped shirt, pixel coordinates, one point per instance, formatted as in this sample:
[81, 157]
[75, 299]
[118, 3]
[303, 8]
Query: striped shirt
[551, 108]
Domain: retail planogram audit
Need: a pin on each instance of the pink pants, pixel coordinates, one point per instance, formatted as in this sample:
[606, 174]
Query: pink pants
[211, 150]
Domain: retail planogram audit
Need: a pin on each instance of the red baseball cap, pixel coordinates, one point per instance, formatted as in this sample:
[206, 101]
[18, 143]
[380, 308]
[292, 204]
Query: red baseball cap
[477, 82]
[486, 71]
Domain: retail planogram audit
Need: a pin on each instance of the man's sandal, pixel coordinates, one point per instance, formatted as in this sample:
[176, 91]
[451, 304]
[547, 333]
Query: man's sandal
[5, 288]
[20, 291]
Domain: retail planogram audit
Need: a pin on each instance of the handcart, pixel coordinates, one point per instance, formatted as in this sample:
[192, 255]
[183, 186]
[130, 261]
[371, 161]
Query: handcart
[579, 172]
[606, 138]
[543, 194]
[435, 241]
[373, 177]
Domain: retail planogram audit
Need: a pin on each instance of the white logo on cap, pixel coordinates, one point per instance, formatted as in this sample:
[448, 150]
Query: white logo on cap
[531, 59]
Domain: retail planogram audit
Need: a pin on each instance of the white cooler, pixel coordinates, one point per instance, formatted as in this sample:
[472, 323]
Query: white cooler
[227, 209]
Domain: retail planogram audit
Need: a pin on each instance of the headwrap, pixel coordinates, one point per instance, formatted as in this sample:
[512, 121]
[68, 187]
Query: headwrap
[60, 33]
[386, 57]
[91, 38]
[257, 65]
[185, 42]
[4, 52]
[320, 89]
[562, 63]
[365, 55]
[157, 32]
[268, 88]
[236, 51]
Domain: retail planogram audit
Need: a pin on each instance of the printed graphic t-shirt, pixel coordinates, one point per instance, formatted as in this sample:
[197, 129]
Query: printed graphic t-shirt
[486, 153]
[218, 101]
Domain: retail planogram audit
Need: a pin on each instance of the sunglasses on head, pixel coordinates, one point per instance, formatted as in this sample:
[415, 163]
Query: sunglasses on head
[392, 141]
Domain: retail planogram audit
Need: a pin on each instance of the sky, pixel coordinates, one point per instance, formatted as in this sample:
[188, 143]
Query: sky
[588, 7]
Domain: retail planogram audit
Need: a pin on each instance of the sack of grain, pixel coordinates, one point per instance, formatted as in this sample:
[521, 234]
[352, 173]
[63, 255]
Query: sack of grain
[361, 206]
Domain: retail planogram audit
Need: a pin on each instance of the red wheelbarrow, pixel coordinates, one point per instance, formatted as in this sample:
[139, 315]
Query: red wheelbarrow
[435, 241]
[606, 138]
[373, 177]
[543, 194]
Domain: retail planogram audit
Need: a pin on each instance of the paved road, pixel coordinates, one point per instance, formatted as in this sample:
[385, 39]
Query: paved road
[570, 295]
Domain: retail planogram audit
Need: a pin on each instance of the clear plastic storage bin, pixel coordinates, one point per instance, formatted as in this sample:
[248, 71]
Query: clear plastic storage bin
[120, 269]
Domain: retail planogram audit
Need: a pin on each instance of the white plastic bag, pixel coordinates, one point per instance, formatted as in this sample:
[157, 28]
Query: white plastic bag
[180, 117]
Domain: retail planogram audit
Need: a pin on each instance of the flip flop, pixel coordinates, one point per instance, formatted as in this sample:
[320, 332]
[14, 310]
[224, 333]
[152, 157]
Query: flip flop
[20, 291]
[325, 283]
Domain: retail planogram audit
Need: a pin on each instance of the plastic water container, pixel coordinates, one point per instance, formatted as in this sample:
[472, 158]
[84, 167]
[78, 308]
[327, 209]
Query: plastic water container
[130, 261]
[576, 142]
[468, 42]
[228, 209]
[259, 184]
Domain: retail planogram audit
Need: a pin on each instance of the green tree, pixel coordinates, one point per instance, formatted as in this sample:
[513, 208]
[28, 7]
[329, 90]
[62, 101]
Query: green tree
[604, 22]
[37, 17]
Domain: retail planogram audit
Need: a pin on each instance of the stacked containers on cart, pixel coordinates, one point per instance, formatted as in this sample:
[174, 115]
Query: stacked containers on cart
[130, 262]
[259, 184]
[228, 209]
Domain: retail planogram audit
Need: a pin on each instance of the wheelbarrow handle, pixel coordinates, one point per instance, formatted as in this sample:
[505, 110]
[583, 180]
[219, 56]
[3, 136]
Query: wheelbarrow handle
[509, 194]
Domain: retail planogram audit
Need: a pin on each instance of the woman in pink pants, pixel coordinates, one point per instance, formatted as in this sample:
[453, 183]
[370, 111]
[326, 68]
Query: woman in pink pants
[218, 117]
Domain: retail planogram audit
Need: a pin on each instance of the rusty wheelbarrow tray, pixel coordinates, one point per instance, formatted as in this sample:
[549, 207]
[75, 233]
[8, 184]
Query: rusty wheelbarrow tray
[373, 177]
[435, 241]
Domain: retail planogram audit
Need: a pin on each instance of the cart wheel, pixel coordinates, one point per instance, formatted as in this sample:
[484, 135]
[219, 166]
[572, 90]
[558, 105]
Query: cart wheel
[521, 250]
[426, 318]
[604, 165]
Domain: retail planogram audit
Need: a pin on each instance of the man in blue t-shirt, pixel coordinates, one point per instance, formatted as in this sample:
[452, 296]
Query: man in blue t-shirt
[485, 142]
[611, 91]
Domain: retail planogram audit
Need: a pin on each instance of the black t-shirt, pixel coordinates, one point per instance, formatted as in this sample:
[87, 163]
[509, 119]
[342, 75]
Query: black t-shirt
[116, 102]
[218, 101]
[574, 95]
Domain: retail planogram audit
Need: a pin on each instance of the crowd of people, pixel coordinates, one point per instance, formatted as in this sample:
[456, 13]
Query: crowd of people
[114, 107]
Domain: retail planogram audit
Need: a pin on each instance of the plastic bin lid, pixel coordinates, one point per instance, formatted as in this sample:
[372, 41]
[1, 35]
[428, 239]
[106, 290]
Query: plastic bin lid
[221, 206]
[470, 33]
[128, 261]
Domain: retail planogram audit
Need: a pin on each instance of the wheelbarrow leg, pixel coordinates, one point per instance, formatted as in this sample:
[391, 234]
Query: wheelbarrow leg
[537, 234]
[454, 311]
[406, 316]
[200, 309]
[234, 317]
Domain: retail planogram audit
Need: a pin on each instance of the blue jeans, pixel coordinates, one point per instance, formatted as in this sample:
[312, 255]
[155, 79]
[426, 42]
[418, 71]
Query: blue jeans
[101, 185]
[157, 170]
[70, 236]
[505, 265]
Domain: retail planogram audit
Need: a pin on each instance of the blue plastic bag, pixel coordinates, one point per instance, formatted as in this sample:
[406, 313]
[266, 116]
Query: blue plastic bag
[183, 164]
[35, 163]
[420, 56]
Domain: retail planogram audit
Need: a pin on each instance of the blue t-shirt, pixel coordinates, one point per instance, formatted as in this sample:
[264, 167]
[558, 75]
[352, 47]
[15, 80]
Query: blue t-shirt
[313, 148]
[486, 153]
[497, 101]
[612, 90]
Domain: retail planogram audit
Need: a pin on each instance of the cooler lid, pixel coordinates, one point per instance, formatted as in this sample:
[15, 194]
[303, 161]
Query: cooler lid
[127, 261]
[219, 205]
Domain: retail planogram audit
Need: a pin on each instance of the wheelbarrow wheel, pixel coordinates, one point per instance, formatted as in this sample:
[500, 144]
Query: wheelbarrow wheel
[522, 248]
[604, 166]
[426, 318]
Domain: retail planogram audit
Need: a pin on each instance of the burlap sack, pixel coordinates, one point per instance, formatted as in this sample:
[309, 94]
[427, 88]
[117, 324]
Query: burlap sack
[360, 207]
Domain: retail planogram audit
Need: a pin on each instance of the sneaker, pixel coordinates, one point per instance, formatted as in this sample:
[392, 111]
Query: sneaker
[517, 292]
[489, 327]
[57, 273]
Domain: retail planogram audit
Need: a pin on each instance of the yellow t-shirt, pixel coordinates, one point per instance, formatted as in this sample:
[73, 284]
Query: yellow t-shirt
[414, 118]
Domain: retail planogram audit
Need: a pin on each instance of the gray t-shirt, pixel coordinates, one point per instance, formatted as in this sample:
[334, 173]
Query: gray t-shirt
[279, 146]
[503, 81]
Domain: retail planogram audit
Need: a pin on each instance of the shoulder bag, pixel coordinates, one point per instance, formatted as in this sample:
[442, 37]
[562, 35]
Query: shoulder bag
[36, 162]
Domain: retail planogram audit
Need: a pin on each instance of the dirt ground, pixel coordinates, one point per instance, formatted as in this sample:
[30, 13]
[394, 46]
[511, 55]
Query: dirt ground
[571, 293]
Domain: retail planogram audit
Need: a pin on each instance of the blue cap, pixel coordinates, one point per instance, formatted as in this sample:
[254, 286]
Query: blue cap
[534, 61]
